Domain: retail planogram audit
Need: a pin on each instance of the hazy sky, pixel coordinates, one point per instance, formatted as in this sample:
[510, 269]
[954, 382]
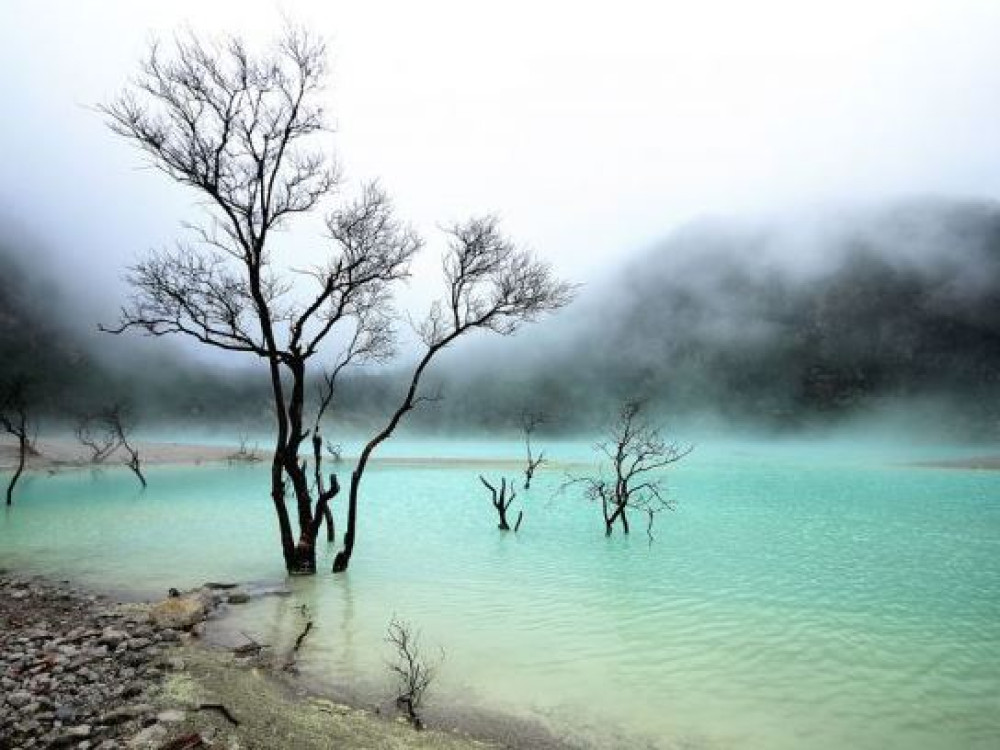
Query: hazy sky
[593, 129]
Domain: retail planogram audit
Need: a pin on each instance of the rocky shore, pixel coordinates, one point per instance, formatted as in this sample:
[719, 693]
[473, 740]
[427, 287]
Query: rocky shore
[78, 671]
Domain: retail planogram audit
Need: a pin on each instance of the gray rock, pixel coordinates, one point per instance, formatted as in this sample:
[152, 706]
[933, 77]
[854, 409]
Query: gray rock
[149, 738]
[171, 716]
[19, 699]
[126, 713]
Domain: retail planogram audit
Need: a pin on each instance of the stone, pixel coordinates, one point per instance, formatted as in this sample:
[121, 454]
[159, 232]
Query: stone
[149, 738]
[19, 699]
[125, 713]
[178, 612]
[171, 716]
[111, 637]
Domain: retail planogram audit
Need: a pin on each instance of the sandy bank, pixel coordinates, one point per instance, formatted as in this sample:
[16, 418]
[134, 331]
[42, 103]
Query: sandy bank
[58, 454]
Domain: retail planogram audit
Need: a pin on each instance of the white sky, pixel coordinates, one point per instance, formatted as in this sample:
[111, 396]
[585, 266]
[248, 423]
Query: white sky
[593, 129]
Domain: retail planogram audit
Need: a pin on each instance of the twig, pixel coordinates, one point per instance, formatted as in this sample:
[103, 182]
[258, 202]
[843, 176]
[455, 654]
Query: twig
[302, 637]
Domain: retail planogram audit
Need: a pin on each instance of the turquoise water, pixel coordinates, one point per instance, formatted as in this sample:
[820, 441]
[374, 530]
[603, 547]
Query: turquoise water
[798, 597]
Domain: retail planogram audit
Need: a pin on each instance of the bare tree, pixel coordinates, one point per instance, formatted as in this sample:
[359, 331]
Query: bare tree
[240, 129]
[633, 479]
[107, 431]
[120, 422]
[502, 502]
[529, 423]
[491, 285]
[15, 420]
[244, 454]
[412, 670]
[95, 434]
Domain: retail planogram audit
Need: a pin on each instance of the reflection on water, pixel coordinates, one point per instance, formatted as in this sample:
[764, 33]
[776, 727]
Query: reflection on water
[795, 599]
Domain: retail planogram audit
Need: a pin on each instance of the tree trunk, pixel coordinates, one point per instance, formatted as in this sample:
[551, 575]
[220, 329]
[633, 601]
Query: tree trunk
[331, 535]
[284, 523]
[23, 449]
[305, 548]
[343, 558]
[624, 521]
[22, 444]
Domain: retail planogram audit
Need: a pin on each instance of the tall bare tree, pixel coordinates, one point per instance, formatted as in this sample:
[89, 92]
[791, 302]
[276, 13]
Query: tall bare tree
[15, 420]
[240, 130]
[490, 285]
[633, 475]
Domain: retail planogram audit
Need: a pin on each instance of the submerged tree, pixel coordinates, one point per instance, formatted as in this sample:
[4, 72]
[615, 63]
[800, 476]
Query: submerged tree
[119, 419]
[241, 131]
[502, 501]
[632, 479]
[529, 423]
[15, 420]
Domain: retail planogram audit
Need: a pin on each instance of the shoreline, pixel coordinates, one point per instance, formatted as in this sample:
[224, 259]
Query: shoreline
[57, 455]
[976, 463]
[274, 706]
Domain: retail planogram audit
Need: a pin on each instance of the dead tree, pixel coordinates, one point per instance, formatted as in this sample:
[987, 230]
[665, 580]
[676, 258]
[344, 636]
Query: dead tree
[502, 501]
[633, 477]
[412, 670]
[95, 434]
[491, 285]
[15, 420]
[240, 130]
[107, 431]
[529, 422]
[119, 418]
[244, 454]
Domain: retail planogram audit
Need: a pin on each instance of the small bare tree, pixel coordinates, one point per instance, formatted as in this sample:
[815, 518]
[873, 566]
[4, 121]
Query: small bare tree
[95, 433]
[107, 431]
[637, 455]
[502, 502]
[529, 423]
[120, 421]
[412, 670]
[15, 419]
[491, 285]
[244, 454]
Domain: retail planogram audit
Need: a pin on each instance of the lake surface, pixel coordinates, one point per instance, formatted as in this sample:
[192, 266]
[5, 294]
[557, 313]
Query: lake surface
[798, 598]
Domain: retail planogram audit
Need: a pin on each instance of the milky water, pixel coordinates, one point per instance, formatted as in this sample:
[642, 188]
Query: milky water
[797, 598]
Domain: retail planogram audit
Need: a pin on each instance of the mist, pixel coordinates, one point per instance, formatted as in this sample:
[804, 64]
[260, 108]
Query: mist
[835, 319]
[846, 315]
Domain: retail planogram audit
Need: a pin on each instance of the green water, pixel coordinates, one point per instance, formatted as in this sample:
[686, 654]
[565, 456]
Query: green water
[796, 599]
